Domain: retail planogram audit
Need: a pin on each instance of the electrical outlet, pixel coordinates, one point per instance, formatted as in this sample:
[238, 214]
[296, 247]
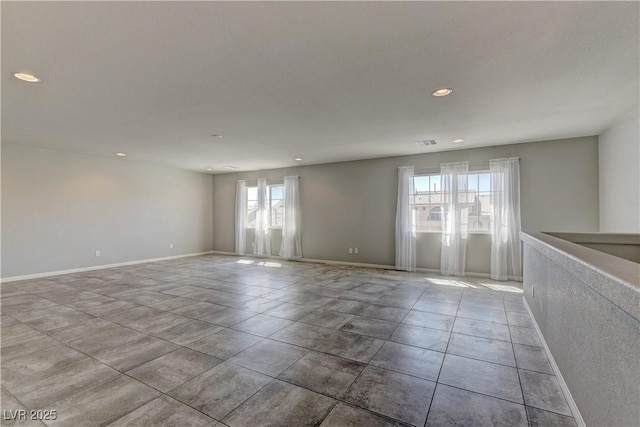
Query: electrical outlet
[170, 245]
[350, 250]
[98, 254]
[355, 251]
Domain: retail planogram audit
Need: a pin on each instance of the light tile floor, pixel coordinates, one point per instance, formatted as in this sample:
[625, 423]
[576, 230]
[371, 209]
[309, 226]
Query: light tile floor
[220, 340]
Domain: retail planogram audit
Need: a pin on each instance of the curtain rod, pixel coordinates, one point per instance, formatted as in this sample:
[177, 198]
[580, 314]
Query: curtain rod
[483, 163]
[256, 179]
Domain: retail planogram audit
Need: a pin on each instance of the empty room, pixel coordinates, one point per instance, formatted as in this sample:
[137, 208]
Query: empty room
[320, 214]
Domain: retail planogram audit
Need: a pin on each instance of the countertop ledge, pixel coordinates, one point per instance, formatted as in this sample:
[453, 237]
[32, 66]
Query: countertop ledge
[616, 279]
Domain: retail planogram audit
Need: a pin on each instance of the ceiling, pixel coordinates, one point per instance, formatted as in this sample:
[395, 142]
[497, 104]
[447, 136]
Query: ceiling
[327, 81]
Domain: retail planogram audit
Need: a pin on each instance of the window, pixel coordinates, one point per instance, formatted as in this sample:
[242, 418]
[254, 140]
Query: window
[275, 204]
[428, 200]
[434, 214]
[479, 199]
[252, 206]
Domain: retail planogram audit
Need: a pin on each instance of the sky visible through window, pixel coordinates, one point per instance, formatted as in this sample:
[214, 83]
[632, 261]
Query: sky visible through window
[427, 183]
[252, 197]
[276, 191]
[480, 182]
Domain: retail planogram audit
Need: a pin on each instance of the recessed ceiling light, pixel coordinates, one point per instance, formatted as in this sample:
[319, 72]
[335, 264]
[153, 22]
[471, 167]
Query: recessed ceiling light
[26, 77]
[231, 167]
[121, 154]
[209, 169]
[442, 91]
[216, 135]
[458, 141]
[298, 159]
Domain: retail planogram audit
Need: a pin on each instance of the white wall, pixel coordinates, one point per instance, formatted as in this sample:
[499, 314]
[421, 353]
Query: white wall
[353, 204]
[58, 208]
[619, 165]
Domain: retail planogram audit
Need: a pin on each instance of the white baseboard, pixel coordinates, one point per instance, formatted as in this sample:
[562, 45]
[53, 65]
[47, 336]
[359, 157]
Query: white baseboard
[97, 267]
[563, 385]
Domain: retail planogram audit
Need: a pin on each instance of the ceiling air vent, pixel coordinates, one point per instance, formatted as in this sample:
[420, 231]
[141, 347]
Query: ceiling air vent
[426, 142]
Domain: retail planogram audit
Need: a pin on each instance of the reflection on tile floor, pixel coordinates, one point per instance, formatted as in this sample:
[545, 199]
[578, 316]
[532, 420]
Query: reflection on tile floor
[218, 340]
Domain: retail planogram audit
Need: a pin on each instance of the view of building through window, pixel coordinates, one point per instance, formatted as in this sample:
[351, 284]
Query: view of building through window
[275, 204]
[252, 206]
[429, 201]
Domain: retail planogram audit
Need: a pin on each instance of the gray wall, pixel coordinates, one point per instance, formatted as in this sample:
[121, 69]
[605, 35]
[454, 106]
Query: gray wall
[353, 204]
[619, 156]
[58, 208]
[626, 246]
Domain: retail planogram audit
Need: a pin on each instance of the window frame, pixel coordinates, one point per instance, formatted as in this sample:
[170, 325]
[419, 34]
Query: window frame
[471, 218]
[269, 205]
[248, 188]
[478, 216]
[271, 226]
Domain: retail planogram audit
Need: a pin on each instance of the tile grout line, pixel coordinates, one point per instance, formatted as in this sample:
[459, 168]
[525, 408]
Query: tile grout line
[442, 365]
[515, 358]
[18, 400]
[125, 372]
[274, 332]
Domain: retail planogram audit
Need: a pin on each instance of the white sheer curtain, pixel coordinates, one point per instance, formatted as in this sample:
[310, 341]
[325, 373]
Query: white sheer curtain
[405, 221]
[506, 257]
[454, 218]
[262, 244]
[241, 218]
[291, 245]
